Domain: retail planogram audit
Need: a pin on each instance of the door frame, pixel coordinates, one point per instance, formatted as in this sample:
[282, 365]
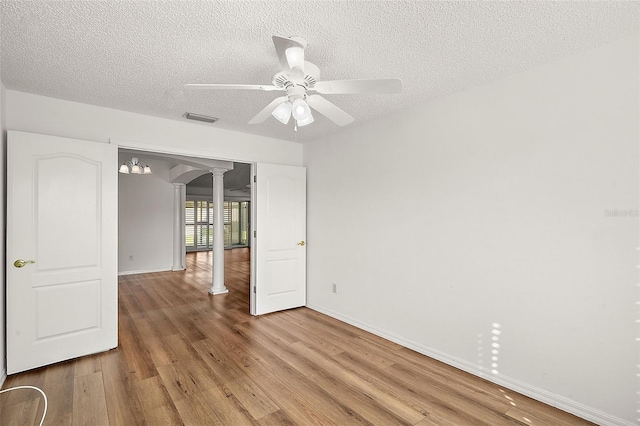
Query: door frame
[123, 144]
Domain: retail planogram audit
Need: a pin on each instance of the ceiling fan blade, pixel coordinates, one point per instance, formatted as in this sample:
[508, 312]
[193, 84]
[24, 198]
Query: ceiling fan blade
[329, 110]
[282, 44]
[265, 87]
[385, 85]
[266, 112]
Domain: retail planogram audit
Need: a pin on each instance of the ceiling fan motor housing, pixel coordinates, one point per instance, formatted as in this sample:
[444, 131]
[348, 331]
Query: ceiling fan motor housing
[308, 79]
[296, 92]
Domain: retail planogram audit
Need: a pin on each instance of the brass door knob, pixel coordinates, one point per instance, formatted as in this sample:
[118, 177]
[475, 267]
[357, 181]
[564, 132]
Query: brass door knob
[20, 263]
[301, 243]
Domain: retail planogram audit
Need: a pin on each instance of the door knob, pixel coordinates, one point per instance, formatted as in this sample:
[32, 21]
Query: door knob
[301, 243]
[20, 263]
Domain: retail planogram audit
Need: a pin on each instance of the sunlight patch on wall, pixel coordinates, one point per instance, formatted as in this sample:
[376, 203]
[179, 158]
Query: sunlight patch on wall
[495, 346]
[493, 349]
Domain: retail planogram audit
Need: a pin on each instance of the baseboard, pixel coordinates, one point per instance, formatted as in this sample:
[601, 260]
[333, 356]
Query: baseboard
[536, 393]
[145, 271]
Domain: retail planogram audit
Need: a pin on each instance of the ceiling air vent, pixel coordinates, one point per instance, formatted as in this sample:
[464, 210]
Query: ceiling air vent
[199, 117]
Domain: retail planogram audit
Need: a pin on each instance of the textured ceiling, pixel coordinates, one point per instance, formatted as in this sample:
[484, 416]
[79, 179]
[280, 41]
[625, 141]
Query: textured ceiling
[137, 55]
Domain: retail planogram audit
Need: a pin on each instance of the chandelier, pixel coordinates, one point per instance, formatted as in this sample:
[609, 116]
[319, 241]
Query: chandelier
[135, 167]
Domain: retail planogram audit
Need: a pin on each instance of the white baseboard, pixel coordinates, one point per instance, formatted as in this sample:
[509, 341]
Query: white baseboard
[536, 393]
[145, 271]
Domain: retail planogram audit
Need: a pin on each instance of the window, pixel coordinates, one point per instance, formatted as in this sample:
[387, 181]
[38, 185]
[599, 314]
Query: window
[199, 224]
[190, 220]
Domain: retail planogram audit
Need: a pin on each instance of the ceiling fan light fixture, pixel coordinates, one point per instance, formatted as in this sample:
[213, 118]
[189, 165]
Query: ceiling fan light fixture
[301, 110]
[283, 112]
[305, 121]
[295, 57]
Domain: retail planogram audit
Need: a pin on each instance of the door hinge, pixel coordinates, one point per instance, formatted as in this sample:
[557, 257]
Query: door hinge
[255, 234]
[254, 289]
[255, 178]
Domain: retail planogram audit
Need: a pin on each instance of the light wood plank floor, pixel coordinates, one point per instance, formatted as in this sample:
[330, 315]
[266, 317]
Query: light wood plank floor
[186, 357]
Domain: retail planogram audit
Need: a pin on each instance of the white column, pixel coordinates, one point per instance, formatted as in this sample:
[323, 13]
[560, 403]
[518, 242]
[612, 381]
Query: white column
[218, 286]
[179, 248]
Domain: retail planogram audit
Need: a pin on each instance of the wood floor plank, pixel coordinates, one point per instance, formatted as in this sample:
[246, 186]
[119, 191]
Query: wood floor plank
[66, 420]
[134, 350]
[278, 418]
[218, 360]
[160, 352]
[196, 411]
[433, 420]
[161, 323]
[252, 397]
[227, 408]
[157, 405]
[87, 365]
[22, 413]
[187, 357]
[59, 384]
[182, 318]
[123, 405]
[183, 379]
[89, 402]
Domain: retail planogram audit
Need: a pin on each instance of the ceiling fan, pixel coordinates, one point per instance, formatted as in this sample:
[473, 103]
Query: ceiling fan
[299, 79]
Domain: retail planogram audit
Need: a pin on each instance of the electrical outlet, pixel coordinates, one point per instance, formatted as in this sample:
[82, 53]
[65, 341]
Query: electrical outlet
[334, 287]
[130, 257]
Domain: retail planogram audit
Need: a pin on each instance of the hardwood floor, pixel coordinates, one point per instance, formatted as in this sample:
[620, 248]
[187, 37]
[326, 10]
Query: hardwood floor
[186, 357]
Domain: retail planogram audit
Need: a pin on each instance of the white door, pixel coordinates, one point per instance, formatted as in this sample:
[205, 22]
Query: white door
[62, 216]
[281, 199]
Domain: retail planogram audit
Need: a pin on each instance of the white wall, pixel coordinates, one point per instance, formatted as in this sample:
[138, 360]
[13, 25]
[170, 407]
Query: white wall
[488, 207]
[3, 150]
[39, 114]
[145, 219]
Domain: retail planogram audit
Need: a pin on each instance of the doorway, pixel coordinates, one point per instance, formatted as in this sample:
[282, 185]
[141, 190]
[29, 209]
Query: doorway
[147, 212]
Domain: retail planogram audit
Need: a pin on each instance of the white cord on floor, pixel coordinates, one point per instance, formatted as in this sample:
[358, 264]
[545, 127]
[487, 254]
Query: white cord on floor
[44, 413]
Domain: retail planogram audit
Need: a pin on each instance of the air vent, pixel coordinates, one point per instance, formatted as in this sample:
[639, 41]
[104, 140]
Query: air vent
[199, 117]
